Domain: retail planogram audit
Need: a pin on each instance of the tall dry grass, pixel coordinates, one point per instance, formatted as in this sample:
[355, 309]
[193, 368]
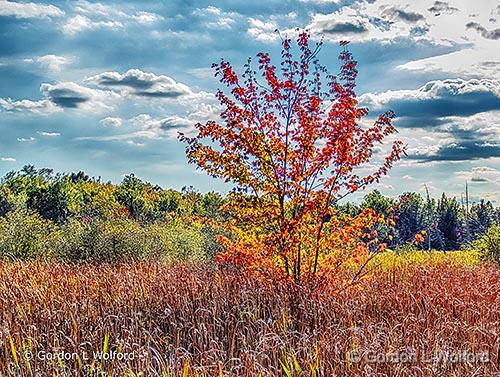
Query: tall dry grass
[182, 321]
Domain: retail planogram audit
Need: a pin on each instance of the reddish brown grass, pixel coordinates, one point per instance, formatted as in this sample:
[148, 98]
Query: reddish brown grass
[179, 320]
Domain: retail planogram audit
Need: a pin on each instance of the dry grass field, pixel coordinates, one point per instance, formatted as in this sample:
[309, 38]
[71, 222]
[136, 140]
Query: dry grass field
[433, 316]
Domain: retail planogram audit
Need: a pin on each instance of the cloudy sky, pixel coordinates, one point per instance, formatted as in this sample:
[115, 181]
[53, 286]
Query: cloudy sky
[105, 87]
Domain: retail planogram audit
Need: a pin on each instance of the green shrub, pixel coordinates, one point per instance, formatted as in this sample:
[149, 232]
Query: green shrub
[24, 234]
[113, 239]
[174, 241]
[126, 239]
[489, 244]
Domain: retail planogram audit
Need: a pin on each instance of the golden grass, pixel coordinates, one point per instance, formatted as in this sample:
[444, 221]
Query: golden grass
[202, 321]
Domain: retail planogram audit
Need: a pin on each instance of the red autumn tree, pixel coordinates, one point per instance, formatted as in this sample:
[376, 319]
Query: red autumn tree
[291, 141]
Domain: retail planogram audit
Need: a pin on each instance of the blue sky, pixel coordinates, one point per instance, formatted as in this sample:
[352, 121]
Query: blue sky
[105, 87]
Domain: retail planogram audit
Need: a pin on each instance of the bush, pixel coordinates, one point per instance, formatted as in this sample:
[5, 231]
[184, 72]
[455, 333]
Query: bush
[113, 239]
[24, 234]
[489, 244]
[175, 241]
[126, 239]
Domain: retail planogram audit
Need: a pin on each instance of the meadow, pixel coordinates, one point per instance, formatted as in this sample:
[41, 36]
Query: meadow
[280, 276]
[99, 279]
[414, 315]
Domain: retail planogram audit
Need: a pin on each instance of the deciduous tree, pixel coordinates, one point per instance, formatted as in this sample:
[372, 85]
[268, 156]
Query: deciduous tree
[291, 139]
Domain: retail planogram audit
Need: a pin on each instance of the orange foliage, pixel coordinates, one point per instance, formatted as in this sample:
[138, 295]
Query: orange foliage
[291, 145]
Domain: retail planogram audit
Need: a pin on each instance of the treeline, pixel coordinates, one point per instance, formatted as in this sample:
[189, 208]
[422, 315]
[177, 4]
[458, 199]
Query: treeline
[77, 217]
[428, 223]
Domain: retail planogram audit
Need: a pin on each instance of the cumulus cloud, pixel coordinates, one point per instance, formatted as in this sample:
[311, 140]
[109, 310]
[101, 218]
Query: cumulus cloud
[459, 139]
[63, 95]
[388, 21]
[216, 18]
[439, 98]
[98, 9]
[91, 16]
[43, 107]
[394, 13]
[141, 83]
[147, 18]
[461, 119]
[147, 127]
[488, 34]
[159, 127]
[28, 10]
[265, 30]
[343, 26]
[71, 95]
[480, 174]
[442, 7]
[53, 63]
[463, 151]
[80, 23]
[362, 21]
[111, 122]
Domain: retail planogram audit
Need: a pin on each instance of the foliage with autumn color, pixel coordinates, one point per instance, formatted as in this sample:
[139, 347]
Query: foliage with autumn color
[291, 140]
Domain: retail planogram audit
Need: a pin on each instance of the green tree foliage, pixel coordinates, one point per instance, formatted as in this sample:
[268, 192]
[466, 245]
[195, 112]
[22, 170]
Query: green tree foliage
[24, 234]
[481, 217]
[385, 206]
[5, 202]
[77, 217]
[489, 244]
[409, 213]
[449, 223]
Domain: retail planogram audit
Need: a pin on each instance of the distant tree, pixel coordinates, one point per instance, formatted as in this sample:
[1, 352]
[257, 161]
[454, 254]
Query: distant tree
[449, 223]
[49, 200]
[79, 177]
[384, 206]
[481, 217]
[5, 204]
[409, 213]
[378, 202]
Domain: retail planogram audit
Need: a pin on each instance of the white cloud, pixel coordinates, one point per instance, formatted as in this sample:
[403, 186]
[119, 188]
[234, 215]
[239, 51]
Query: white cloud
[98, 9]
[49, 134]
[53, 63]
[111, 122]
[72, 95]
[480, 174]
[80, 23]
[439, 22]
[140, 83]
[216, 18]
[433, 90]
[163, 127]
[147, 18]
[477, 61]
[26, 139]
[91, 16]
[265, 31]
[28, 10]
[42, 107]
[8, 159]
[63, 95]
[408, 177]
